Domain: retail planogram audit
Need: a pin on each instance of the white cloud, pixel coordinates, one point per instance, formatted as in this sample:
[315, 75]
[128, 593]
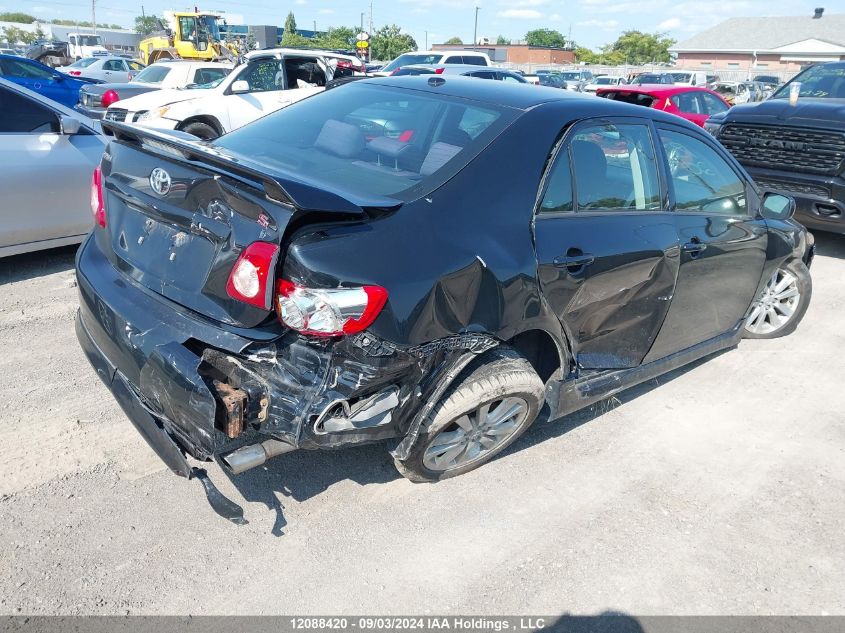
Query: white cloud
[300, 2]
[668, 25]
[521, 14]
[555, 17]
[326, 11]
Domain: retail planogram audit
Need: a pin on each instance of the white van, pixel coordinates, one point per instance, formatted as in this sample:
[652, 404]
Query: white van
[472, 58]
[689, 78]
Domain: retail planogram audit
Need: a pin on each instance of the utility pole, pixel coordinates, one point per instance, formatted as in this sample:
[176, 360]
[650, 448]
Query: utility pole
[426, 41]
[315, 27]
[94, 16]
[143, 15]
[371, 17]
[362, 22]
[475, 30]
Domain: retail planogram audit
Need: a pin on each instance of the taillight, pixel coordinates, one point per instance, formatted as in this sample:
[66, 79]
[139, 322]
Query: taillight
[109, 97]
[439, 71]
[98, 207]
[328, 311]
[251, 279]
[344, 63]
[75, 73]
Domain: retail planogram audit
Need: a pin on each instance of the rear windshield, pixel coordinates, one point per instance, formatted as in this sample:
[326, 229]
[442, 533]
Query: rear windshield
[372, 140]
[635, 98]
[413, 71]
[152, 75]
[605, 81]
[84, 62]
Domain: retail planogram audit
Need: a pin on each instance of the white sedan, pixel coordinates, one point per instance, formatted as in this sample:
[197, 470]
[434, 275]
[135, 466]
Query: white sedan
[267, 81]
[603, 81]
[111, 69]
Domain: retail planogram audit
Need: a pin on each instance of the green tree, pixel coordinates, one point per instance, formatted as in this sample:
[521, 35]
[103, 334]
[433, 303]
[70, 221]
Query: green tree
[17, 17]
[293, 39]
[13, 35]
[502, 41]
[290, 23]
[339, 37]
[639, 48]
[147, 24]
[545, 37]
[584, 54]
[389, 42]
[454, 40]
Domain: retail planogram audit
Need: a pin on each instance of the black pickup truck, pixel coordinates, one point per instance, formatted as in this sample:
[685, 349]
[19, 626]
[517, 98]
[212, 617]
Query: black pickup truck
[796, 146]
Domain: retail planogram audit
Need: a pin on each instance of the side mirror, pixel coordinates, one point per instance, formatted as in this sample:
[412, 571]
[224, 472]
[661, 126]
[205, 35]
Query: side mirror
[239, 87]
[68, 126]
[777, 206]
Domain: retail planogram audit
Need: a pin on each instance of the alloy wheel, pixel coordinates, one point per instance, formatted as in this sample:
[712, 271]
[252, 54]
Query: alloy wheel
[474, 435]
[776, 305]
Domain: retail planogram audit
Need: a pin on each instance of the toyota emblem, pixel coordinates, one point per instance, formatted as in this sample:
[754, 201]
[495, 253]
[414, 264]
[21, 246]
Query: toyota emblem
[160, 181]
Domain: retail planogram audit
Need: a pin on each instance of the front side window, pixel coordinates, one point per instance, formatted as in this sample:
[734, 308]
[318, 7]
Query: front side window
[615, 168]
[264, 75]
[134, 65]
[19, 115]
[711, 105]
[702, 180]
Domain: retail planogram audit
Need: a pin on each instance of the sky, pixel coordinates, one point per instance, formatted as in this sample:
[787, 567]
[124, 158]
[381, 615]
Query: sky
[592, 23]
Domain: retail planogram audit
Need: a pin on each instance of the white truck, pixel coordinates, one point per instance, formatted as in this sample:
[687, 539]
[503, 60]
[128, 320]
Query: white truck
[85, 45]
[268, 81]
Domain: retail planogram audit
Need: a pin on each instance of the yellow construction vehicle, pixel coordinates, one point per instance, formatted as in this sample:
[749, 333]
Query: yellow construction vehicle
[187, 36]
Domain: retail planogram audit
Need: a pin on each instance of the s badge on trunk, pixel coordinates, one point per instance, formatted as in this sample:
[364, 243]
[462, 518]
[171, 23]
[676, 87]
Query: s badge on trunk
[160, 181]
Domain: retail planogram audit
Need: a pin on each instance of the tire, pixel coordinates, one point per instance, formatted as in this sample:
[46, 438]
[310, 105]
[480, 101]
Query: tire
[777, 313]
[203, 130]
[501, 378]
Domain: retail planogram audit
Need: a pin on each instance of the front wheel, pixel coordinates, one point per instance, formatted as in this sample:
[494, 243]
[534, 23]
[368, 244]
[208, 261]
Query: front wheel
[201, 130]
[782, 304]
[476, 418]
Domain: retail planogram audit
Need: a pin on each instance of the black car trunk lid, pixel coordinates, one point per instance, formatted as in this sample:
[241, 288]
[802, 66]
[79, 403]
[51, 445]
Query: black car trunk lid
[179, 213]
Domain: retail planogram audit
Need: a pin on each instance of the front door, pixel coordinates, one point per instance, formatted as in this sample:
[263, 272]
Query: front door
[607, 249]
[723, 242]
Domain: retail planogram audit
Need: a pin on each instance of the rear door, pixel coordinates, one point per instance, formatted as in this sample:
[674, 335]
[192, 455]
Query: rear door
[45, 177]
[607, 248]
[723, 242]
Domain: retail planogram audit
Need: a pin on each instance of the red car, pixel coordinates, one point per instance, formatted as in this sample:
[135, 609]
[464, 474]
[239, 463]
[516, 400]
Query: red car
[692, 103]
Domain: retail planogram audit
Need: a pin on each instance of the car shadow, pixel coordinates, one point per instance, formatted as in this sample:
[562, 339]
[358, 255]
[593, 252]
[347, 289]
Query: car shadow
[37, 264]
[303, 474]
[830, 245]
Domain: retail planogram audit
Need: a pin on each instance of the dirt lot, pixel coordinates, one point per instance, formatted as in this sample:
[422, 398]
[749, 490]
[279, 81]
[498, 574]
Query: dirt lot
[717, 489]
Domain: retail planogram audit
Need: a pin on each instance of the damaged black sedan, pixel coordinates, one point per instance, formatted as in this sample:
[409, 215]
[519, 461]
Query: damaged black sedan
[422, 260]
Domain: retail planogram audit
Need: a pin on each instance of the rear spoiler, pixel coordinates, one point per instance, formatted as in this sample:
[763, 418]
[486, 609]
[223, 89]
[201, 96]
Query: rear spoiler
[280, 186]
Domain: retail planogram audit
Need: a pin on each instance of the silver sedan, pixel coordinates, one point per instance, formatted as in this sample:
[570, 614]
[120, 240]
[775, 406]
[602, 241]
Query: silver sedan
[48, 153]
[108, 68]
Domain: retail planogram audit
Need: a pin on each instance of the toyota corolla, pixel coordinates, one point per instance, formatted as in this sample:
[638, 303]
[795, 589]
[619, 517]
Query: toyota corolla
[423, 260]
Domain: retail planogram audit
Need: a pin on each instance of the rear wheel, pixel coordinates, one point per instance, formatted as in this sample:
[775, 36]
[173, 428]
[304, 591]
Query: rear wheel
[476, 418]
[203, 130]
[782, 304]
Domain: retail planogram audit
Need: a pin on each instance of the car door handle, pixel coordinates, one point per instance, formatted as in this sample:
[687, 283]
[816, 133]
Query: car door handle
[574, 259]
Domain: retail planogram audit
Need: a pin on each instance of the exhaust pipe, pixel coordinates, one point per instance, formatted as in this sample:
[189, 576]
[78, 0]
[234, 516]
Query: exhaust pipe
[247, 457]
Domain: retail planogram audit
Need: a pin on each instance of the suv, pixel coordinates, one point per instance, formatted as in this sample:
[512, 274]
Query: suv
[797, 148]
[470, 58]
[322, 278]
[267, 81]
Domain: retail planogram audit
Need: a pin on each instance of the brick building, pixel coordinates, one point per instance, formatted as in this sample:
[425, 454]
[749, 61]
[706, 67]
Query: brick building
[765, 44]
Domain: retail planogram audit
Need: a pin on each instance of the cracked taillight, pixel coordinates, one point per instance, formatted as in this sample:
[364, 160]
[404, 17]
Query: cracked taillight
[328, 311]
[251, 279]
[98, 207]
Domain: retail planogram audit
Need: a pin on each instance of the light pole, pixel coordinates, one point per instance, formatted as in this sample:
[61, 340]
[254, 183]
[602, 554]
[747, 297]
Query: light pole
[362, 22]
[426, 41]
[475, 30]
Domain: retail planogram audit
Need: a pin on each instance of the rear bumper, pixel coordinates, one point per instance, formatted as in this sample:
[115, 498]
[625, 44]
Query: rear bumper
[164, 365]
[819, 200]
[91, 113]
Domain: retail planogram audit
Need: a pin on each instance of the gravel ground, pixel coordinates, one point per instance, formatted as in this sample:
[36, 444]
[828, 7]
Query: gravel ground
[719, 488]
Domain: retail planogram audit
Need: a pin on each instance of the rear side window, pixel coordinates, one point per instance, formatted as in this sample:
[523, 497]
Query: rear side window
[152, 75]
[19, 115]
[558, 195]
[113, 64]
[304, 73]
[635, 98]
[209, 75]
[686, 102]
[702, 180]
[614, 168]
[372, 140]
[474, 60]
